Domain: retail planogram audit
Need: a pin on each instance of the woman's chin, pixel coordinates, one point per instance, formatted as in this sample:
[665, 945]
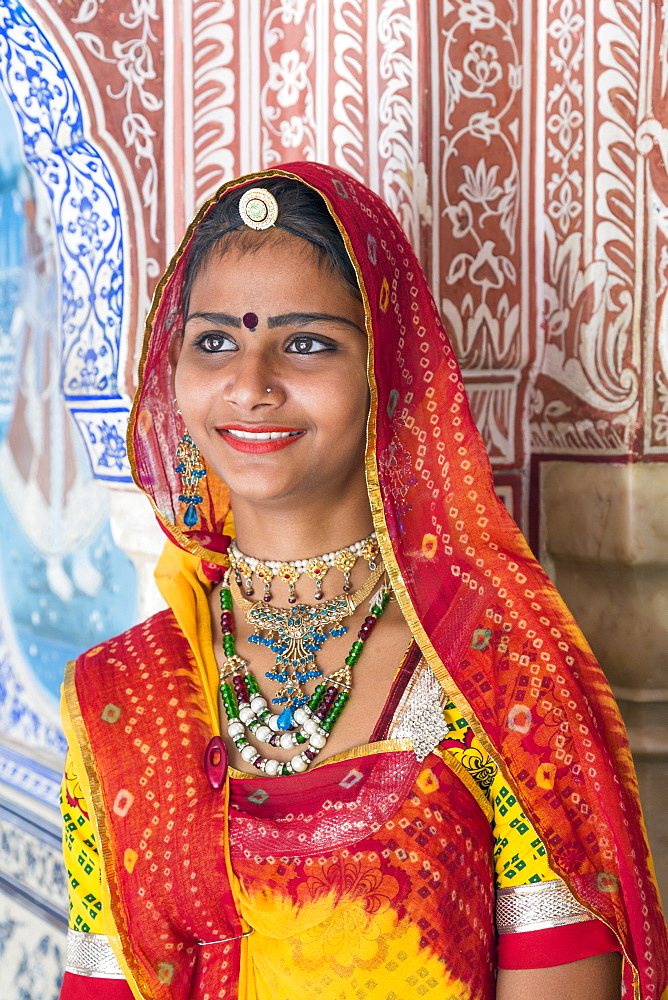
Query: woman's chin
[259, 489]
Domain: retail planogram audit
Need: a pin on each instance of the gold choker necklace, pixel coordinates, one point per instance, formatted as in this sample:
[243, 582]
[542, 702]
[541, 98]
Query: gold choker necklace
[244, 567]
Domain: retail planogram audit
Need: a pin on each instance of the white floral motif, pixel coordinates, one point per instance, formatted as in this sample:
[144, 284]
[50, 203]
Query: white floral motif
[288, 78]
[292, 131]
[479, 185]
[480, 15]
[461, 217]
[566, 123]
[348, 109]
[404, 178]
[589, 288]
[87, 11]
[661, 419]
[288, 87]
[564, 208]
[652, 142]
[566, 30]
[134, 61]
[292, 11]
[214, 119]
[486, 337]
[481, 64]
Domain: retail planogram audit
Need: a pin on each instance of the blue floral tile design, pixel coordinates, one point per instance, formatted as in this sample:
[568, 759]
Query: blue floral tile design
[86, 211]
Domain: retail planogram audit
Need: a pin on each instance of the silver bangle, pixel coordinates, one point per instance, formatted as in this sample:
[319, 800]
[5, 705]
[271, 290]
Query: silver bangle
[538, 906]
[91, 955]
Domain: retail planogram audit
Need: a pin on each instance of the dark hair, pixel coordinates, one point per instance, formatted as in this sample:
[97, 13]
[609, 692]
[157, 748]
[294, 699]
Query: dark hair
[302, 212]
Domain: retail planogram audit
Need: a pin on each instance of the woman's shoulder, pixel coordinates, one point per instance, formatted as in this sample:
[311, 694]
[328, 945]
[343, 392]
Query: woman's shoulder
[143, 642]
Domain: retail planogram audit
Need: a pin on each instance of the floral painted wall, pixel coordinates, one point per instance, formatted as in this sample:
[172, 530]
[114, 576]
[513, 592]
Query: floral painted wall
[523, 147]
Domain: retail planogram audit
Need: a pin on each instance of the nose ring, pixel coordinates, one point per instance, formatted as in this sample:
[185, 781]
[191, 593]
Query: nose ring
[268, 390]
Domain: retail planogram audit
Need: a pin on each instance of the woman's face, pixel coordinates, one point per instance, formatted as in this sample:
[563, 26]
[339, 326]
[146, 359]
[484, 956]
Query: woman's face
[305, 438]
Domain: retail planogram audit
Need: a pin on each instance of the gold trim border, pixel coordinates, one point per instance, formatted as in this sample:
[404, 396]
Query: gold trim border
[367, 750]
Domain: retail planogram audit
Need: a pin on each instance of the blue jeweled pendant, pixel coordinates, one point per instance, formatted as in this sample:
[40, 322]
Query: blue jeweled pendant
[191, 517]
[285, 719]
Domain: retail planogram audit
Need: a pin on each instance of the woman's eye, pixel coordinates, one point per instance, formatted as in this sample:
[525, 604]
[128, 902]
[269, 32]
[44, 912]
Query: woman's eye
[307, 345]
[214, 343]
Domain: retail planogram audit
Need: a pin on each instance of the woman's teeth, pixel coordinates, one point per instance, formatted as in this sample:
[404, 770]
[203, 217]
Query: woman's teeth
[261, 435]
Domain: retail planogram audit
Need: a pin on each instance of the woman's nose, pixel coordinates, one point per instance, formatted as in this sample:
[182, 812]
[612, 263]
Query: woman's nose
[252, 383]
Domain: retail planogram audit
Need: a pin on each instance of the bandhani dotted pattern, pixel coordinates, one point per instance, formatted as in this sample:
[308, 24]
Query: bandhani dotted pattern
[519, 855]
[389, 910]
[387, 899]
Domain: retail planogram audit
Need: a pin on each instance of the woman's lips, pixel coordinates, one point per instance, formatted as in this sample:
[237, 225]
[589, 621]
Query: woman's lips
[258, 440]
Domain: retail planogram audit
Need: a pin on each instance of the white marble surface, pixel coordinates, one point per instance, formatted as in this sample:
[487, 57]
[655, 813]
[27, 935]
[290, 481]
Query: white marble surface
[32, 954]
[136, 531]
[604, 541]
[605, 544]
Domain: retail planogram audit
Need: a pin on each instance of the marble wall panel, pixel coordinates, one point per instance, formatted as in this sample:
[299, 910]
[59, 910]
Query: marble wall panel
[32, 954]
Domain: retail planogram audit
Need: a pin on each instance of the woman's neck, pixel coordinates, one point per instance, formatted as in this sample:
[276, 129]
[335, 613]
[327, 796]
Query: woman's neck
[300, 531]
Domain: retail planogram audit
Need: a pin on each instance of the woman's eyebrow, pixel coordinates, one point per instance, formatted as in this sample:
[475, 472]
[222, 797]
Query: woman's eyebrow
[303, 319]
[223, 319]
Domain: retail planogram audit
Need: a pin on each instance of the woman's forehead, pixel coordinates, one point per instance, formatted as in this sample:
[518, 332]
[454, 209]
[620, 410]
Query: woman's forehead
[287, 267]
[248, 292]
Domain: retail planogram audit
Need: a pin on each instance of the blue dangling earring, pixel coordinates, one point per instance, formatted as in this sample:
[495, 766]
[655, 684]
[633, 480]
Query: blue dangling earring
[191, 470]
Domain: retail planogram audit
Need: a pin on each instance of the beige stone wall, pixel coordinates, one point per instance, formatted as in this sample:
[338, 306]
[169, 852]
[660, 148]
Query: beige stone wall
[605, 543]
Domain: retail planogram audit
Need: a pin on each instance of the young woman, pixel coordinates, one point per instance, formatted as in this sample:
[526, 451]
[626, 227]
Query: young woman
[365, 753]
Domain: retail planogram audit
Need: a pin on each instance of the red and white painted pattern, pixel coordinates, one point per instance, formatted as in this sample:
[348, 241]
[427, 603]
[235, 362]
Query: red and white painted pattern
[524, 148]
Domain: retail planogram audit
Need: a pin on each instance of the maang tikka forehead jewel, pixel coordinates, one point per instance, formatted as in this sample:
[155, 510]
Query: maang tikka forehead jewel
[258, 208]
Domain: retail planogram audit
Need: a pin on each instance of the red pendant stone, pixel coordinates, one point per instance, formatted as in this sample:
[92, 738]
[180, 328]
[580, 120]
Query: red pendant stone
[215, 762]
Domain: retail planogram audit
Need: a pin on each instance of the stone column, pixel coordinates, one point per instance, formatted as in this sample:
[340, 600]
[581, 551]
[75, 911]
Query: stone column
[605, 544]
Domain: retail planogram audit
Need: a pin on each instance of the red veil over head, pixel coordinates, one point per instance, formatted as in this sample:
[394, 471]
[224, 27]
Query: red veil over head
[485, 615]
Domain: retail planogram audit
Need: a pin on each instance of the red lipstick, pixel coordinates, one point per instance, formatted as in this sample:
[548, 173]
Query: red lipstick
[258, 439]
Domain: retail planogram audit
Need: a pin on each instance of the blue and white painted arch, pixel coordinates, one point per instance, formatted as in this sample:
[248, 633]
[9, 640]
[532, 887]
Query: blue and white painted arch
[89, 234]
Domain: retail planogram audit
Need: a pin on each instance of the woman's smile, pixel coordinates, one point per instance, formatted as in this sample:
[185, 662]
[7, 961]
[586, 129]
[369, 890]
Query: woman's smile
[258, 440]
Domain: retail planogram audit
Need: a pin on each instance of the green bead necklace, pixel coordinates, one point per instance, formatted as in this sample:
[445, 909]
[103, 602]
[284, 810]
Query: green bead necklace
[247, 710]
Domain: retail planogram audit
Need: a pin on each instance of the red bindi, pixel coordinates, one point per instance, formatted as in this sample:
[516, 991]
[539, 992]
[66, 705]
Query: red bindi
[250, 320]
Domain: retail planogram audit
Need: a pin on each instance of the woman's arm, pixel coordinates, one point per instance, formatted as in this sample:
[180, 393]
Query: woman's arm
[91, 969]
[595, 978]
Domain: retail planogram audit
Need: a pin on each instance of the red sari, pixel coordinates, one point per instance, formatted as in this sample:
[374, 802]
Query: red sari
[488, 621]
